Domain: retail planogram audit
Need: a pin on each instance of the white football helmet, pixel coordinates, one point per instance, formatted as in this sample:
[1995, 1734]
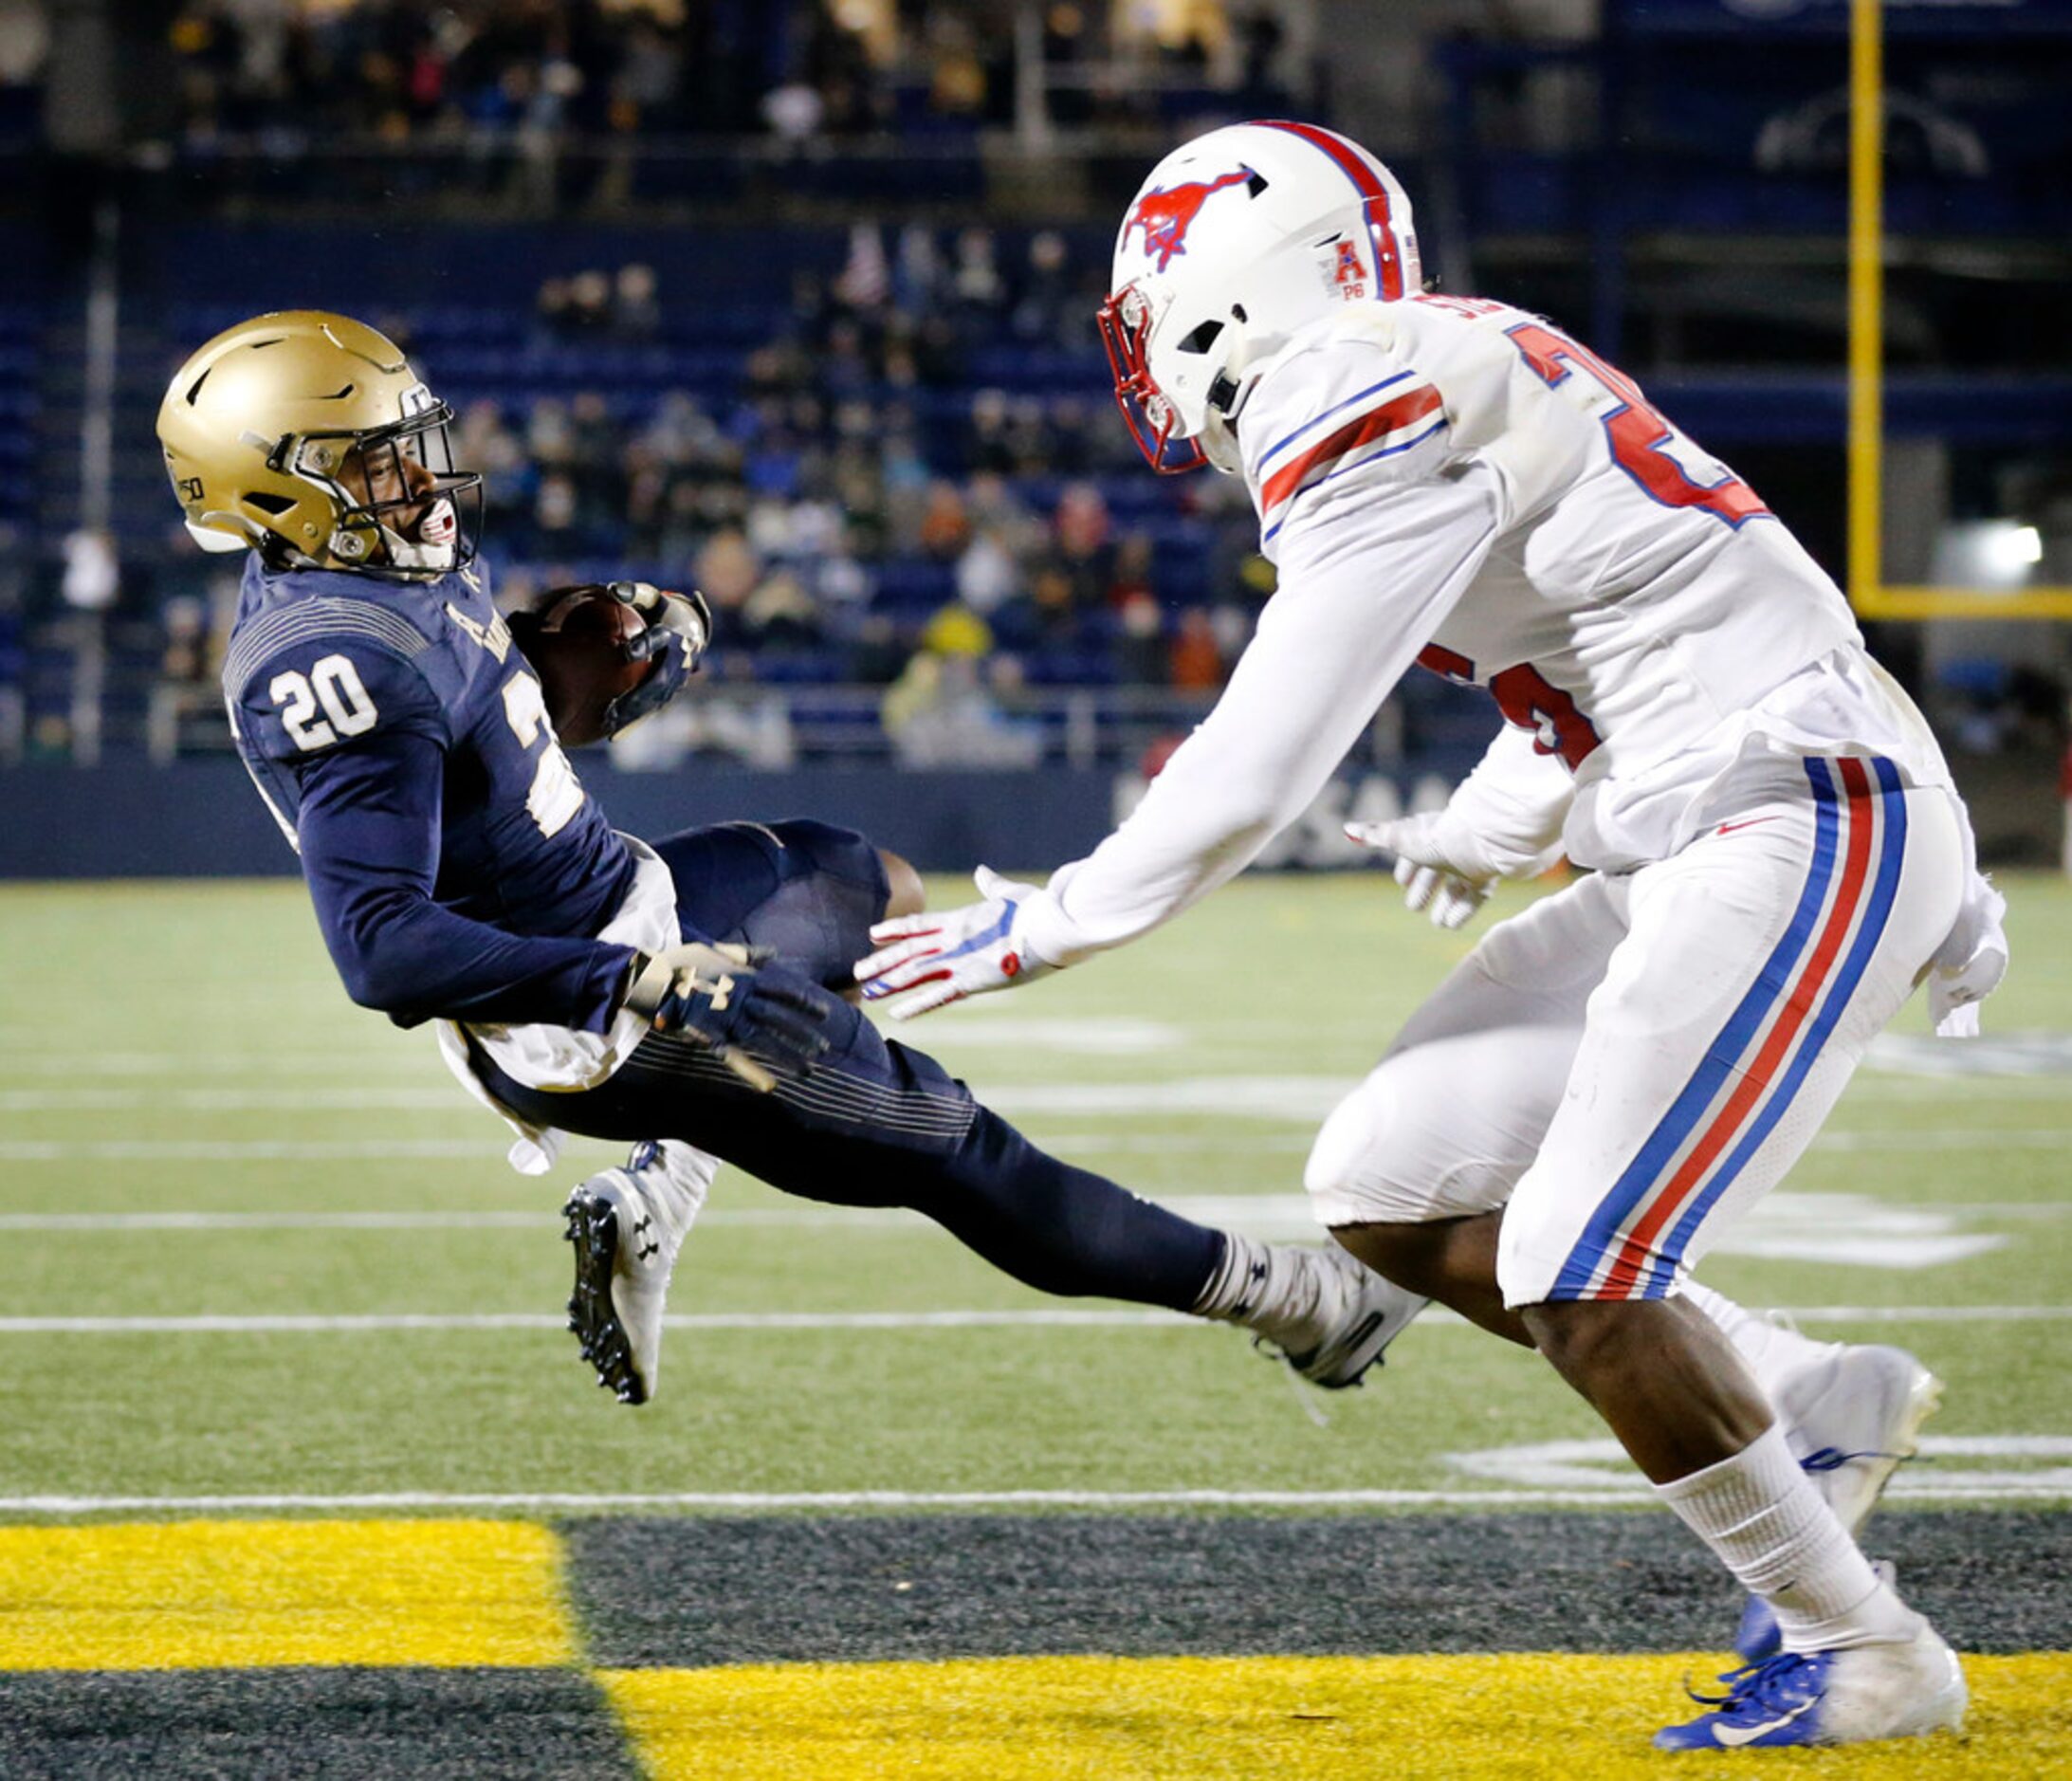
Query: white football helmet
[1238, 239]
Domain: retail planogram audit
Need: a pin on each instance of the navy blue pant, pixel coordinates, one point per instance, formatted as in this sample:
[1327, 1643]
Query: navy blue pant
[874, 1123]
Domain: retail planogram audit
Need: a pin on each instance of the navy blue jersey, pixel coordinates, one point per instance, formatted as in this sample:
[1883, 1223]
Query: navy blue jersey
[458, 867]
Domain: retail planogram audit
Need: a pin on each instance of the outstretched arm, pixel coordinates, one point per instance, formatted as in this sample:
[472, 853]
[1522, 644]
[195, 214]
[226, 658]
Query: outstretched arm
[1359, 597]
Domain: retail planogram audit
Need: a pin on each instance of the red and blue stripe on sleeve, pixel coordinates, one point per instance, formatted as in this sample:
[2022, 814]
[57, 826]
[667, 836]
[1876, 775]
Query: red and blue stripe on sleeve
[1387, 418]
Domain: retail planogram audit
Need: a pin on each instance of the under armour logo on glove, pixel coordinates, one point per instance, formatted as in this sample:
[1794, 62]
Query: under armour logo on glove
[724, 997]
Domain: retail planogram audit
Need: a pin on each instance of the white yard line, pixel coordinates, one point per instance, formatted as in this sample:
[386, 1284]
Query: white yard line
[1304, 1098]
[376, 1322]
[1931, 1313]
[791, 1216]
[1868, 1086]
[238, 1100]
[755, 1501]
[187, 1067]
[1984, 1140]
[484, 1148]
[290, 1323]
[543, 1217]
[1149, 1144]
[257, 1151]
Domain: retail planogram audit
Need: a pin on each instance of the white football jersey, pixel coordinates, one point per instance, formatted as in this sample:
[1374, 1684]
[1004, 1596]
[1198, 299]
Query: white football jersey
[1454, 483]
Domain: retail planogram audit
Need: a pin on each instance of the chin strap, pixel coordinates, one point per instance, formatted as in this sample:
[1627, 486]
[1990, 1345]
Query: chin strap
[1226, 397]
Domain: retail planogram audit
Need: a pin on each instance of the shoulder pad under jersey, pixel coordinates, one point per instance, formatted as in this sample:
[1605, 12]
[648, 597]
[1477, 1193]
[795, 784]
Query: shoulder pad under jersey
[1343, 396]
[317, 671]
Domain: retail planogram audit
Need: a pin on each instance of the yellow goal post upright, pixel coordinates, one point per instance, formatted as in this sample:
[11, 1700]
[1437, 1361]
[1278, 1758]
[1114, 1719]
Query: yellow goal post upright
[1872, 597]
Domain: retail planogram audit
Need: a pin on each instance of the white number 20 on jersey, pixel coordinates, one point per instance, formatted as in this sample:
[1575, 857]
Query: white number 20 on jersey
[333, 682]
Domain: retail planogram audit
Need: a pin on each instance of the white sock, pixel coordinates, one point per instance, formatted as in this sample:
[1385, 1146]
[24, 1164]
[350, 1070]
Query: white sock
[1274, 1289]
[1241, 1280]
[1767, 1524]
[1772, 1351]
[688, 1171]
[676, 1177]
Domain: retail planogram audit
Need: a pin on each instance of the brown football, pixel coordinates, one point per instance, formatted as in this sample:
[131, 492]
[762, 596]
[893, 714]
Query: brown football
[581, 650]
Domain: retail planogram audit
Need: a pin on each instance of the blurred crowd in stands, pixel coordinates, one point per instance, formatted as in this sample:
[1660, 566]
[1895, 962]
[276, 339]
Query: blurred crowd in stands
[683, 67]
[857, 508]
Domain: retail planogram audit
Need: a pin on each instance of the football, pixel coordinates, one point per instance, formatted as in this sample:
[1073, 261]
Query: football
[584, 648]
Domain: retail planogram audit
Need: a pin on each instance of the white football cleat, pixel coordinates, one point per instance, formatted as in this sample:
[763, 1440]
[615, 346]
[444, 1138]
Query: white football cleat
[1853, 1697]
[1348, 1314]
[628, 1226]
[1850, 1419]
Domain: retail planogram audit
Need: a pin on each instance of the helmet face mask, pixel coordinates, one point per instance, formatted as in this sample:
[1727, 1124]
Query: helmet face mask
[1125, 322]
[399, 495]
[306, 436]
[1234, 241]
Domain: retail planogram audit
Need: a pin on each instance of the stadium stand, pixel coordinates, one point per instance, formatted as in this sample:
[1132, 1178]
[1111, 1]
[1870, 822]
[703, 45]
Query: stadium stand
[710, 294]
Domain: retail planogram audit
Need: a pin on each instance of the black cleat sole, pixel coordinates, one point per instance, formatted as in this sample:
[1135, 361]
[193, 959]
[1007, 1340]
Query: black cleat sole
[1366, 1328]
[593, 1231]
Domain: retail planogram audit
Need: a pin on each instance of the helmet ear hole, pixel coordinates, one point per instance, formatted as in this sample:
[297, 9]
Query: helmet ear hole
[266, 502]
[1203, 338]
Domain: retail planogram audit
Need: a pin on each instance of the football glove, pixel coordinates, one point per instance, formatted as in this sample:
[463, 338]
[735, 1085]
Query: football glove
[931, 958]
[679, 628]
[1443, 866]
[1971, 962]
[756, 1025]
[677, 633]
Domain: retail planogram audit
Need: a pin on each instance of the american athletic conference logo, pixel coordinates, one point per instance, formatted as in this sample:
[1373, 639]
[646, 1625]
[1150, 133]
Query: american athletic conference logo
[1166, 216]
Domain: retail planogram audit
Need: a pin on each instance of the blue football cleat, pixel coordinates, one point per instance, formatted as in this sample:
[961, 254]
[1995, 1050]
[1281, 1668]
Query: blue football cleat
[1758, 1638]
[1853, 1697]
[1766, 1704]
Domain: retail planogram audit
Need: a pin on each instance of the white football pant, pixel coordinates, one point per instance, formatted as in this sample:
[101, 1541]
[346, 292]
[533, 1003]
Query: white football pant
[1629, 1064]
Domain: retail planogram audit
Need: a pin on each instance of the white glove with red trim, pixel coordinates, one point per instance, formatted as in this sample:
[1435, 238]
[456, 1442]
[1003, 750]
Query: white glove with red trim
[932, 958]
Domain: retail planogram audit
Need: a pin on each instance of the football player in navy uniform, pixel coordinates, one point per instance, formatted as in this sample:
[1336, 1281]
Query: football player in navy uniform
[673, 995]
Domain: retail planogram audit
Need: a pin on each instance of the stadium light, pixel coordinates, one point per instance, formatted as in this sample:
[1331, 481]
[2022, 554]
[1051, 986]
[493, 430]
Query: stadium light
[1869, 592]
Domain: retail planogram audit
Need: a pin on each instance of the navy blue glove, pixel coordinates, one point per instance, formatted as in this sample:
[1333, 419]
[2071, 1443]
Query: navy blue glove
[756, 1025]
[679, 627]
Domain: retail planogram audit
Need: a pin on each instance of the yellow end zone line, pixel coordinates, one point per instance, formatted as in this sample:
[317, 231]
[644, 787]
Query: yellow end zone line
[489, 1593]
[1513, 1717]
[253, 1594]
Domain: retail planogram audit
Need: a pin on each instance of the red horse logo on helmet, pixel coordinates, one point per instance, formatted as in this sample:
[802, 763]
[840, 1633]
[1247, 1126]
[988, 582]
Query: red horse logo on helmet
[1166, 216]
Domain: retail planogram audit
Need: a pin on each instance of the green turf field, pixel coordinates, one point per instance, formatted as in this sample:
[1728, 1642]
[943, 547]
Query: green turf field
[264, 1260]
[202, 1138]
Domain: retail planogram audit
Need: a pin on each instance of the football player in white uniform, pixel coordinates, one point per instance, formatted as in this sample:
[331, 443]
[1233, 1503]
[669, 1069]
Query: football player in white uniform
[1615, 1074]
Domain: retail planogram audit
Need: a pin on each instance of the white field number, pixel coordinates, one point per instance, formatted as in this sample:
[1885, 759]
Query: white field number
[333, 682]
[557, 795]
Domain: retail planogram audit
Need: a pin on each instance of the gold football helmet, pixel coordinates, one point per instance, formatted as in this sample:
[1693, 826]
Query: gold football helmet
[307, 437]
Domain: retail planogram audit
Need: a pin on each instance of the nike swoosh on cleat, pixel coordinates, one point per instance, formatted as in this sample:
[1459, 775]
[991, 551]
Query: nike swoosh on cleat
[1733, 1737]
